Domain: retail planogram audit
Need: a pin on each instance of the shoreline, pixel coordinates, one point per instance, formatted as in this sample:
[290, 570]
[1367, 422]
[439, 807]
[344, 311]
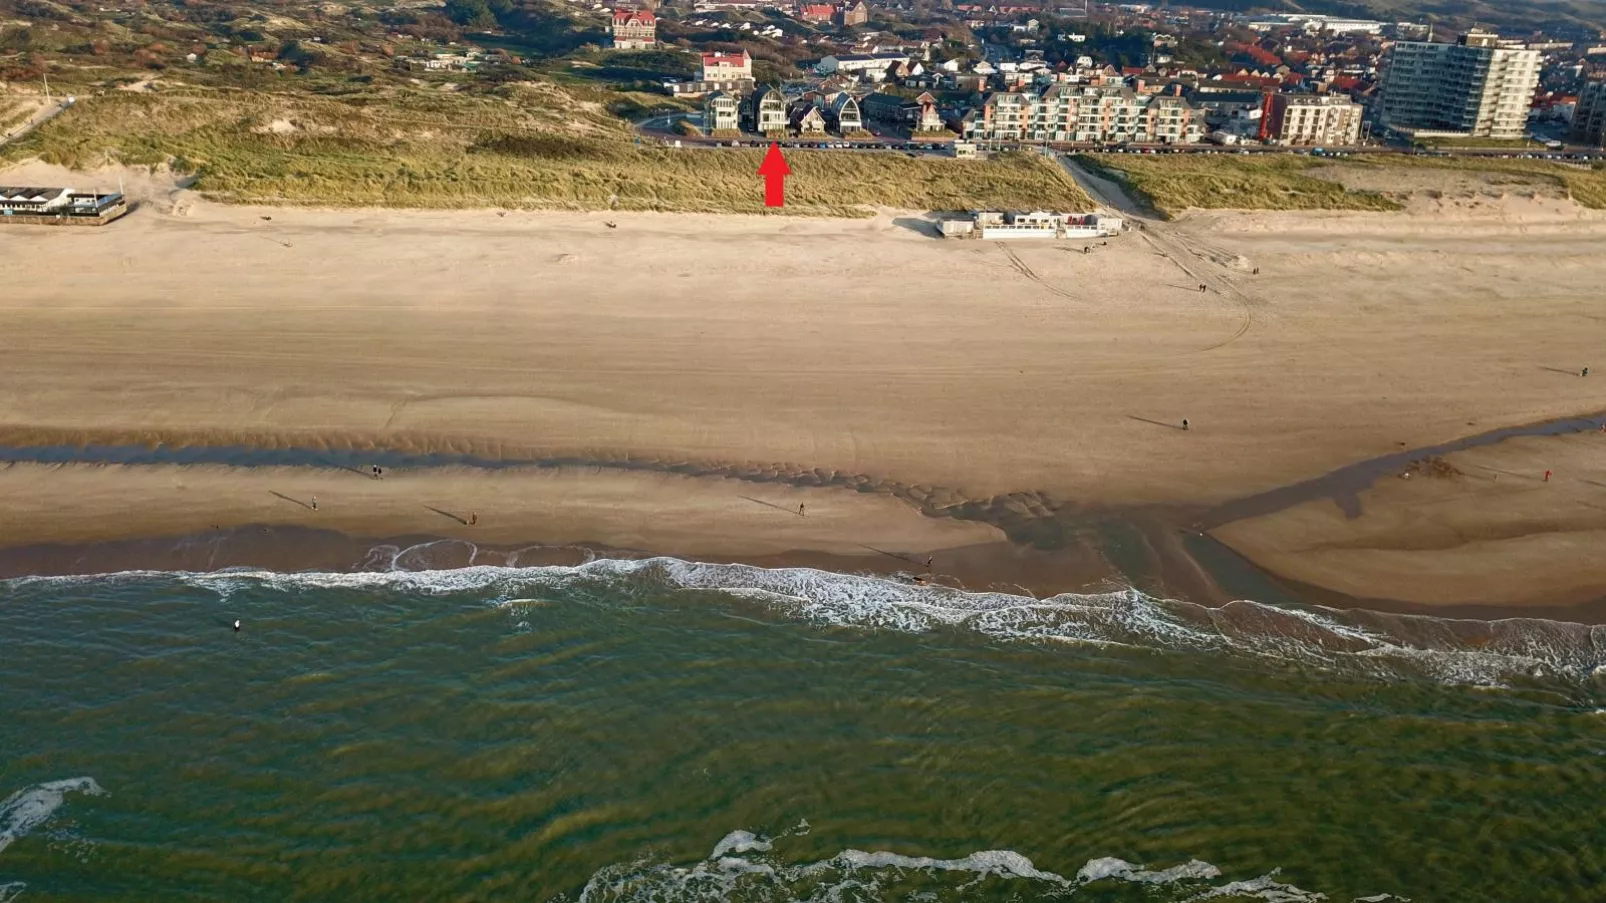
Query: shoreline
[994, 567]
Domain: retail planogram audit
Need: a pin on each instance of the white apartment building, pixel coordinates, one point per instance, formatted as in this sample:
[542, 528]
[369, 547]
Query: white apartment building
[1471, 88]
[1099, 114]
[1315, 120]
[1589, 117]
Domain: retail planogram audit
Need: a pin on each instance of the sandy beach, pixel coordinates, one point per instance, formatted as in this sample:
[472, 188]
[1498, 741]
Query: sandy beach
[895, 382]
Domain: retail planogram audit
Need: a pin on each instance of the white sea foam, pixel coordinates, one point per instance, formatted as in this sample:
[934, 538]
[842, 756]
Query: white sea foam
[739, 868]
[1358, 643]
[1263, 888]
[987, 863]
[27, 809]
[739, 842]
[1100, 869]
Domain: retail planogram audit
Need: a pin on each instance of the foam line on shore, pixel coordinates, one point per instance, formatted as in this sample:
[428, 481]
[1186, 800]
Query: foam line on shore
[742, 864]
[1356, 643]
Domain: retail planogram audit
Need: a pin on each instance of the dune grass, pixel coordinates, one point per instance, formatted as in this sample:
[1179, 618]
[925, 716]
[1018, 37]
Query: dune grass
[1584, 183]
[1171, 184]
[535, 146]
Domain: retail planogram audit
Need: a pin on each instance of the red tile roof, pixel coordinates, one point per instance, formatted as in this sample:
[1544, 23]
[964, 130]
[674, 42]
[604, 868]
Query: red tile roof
[718, 58]
[639, 16]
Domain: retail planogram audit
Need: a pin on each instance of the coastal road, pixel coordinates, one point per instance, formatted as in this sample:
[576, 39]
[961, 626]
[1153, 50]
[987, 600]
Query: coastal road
[45, 114]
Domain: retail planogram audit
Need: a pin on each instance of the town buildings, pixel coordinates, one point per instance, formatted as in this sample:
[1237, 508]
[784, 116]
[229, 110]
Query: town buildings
[767, 111]
[728, 72]
[1315, 120]
[841, 113]
[722, 113]
[804, 119]
[721, 67]
[1101, 114]
[871, 66]
[1472, 88]
[635, 29]
[1589, 117]
[919, 114]
[817, 13]
[469, 60]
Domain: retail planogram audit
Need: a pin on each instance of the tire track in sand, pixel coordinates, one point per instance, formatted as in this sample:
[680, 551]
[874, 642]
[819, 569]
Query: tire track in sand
[1020, 267]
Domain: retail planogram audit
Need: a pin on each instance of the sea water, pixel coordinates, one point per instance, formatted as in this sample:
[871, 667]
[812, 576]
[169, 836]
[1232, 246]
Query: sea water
[667, 731]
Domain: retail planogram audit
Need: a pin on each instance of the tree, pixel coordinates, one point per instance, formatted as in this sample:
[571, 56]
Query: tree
[471, 13]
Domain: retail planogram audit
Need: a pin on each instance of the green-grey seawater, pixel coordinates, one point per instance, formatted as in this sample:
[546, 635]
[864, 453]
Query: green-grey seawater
[664, 731]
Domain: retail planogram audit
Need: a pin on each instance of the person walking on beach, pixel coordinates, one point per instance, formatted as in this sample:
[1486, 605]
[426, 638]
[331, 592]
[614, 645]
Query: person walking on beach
[1184, 424]
[473, 518]
[1547, 476]
[800, 510]
[315, 503]
[376, 471]
[1586, 372]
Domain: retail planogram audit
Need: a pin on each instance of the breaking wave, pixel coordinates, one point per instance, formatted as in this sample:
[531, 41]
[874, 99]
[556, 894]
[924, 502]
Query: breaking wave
[1354, 642]
[742, 867]
[27, 809]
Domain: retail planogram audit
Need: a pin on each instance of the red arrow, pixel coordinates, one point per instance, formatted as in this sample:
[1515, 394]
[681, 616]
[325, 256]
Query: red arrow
[774, 170]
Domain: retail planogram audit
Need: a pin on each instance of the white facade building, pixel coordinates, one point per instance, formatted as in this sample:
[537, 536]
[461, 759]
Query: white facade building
[1472, 88]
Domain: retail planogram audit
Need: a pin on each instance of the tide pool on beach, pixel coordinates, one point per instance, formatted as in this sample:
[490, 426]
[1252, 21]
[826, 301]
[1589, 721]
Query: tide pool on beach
[668, 731]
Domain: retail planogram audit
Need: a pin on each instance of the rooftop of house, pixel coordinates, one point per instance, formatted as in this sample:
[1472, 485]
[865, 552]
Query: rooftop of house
[722, 58]
[868, 57]
[641, 16]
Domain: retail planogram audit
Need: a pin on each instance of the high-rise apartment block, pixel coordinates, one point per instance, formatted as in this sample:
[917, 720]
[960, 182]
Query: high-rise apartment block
[1473, 87]
[1589, 117]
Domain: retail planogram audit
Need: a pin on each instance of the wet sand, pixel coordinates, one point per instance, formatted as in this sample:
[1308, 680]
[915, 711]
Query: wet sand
[952, 394]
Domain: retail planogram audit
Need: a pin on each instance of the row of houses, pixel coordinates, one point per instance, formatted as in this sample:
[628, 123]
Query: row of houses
[770, 112]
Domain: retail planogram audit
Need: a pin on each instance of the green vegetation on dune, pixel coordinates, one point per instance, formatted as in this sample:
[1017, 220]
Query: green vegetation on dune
[536, 146]
[1172, 183]
[14, 112]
